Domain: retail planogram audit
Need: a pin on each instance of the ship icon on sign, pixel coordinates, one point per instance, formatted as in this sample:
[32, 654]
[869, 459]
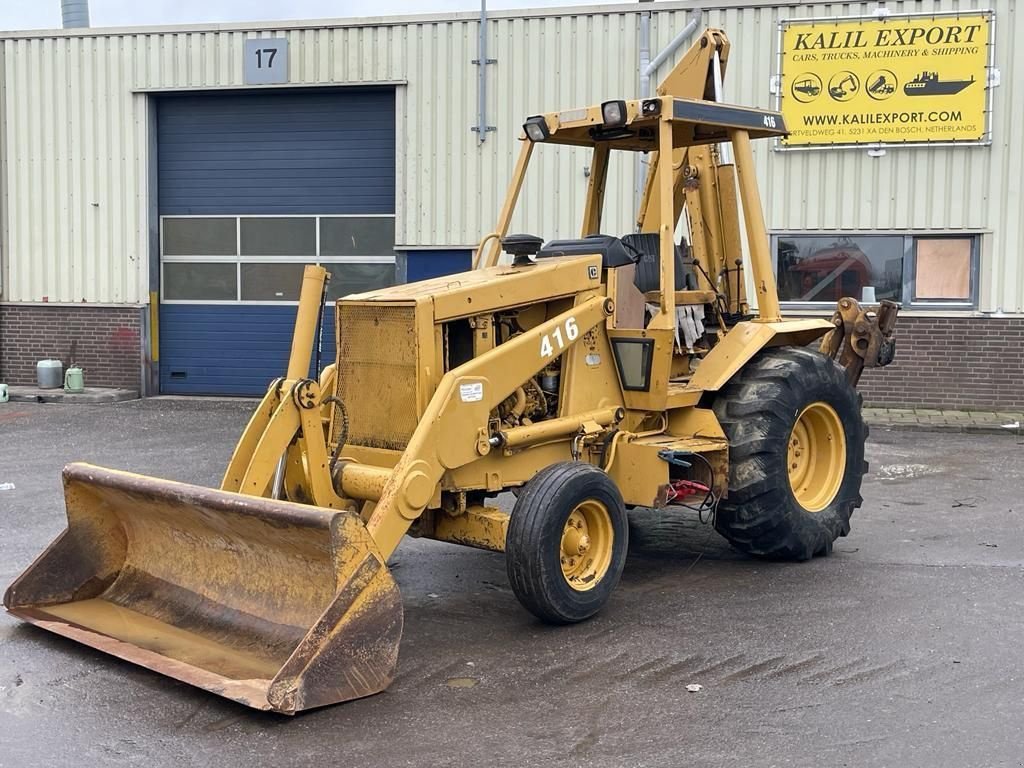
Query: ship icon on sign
[929, 84]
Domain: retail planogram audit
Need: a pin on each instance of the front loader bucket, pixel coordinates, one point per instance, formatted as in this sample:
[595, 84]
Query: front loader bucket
[276, 605]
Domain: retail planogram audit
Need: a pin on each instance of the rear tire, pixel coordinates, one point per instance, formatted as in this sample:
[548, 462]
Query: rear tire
[566, 543]
[796, 455]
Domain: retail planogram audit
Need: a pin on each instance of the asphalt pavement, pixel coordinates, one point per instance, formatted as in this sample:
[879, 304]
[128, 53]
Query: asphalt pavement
[903, 648]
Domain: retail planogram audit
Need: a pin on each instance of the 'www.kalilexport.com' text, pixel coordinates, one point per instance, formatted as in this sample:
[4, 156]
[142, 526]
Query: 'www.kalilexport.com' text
[881, 118]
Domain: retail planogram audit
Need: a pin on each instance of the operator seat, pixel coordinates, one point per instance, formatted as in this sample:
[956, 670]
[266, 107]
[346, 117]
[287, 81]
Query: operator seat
[613, 253]
[648, 270]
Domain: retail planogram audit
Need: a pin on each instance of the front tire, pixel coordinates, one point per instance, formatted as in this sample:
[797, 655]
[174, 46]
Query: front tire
[796, 455]
[566, 543]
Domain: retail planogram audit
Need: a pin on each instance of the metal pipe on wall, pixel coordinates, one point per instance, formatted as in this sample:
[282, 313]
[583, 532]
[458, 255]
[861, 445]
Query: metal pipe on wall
[74, 13]
[647, 68]
[639, 166]
[668, 50]
[481, 62]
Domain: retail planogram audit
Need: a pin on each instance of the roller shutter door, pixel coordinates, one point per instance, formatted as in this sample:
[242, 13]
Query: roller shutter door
[251, 188]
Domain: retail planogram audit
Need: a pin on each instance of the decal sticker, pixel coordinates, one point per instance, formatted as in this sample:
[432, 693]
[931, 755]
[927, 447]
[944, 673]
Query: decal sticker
[471, 393]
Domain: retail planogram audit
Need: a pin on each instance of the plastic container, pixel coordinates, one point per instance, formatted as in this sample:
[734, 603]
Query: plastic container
[74, 380]
[50, 374]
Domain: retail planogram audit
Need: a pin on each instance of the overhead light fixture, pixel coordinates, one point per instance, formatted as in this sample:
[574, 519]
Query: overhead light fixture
[613, 113]
[536, 128]
[650, 107]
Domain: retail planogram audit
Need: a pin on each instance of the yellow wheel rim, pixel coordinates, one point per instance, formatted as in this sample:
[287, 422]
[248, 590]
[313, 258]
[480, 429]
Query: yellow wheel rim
[587, 543]
[816, 456]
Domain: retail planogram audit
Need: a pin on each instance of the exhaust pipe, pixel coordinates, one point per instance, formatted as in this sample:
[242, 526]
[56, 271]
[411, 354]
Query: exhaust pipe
[74, 13]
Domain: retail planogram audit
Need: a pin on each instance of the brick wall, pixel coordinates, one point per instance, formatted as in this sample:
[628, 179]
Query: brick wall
[109, 347]
[971, 363]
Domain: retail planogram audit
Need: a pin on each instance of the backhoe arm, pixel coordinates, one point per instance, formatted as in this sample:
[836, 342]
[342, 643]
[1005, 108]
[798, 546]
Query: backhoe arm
[700, 183]
[454, 428]
[691, 78]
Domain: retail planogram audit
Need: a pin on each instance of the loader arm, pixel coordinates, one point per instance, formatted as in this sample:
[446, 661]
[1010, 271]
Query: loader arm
[290, 412]
[453, 430]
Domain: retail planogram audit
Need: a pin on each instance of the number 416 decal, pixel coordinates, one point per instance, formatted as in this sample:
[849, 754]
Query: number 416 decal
[572, 331]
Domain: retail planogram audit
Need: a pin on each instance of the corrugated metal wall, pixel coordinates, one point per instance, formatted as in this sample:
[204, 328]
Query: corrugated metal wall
[77, 147]
[967, 188]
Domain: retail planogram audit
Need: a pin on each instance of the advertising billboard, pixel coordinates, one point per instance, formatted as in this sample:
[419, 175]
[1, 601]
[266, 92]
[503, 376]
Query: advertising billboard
[916, 79]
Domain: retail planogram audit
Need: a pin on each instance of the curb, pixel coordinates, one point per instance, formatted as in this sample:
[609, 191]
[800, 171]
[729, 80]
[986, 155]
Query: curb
[975, 429]
[90, 396]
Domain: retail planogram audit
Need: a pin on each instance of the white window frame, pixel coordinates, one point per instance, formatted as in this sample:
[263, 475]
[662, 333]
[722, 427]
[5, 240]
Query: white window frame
[239, 259]
[910, 238]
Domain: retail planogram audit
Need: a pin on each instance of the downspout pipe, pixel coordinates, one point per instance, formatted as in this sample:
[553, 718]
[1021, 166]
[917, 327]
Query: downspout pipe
[682, 37]
[481, 69]
[639, 170]
[74, 13]
[645, 54]
[481, 62]
[648, 67]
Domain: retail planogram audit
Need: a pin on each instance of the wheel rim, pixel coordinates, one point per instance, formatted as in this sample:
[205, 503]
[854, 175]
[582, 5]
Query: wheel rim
[816, 456]
[586, 546]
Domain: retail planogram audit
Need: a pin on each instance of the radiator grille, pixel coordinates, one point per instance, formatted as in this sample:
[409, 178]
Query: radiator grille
[377, 373]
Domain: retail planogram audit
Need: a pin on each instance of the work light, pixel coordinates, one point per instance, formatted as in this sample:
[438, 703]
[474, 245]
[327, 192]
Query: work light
[613, 113]
[536, 128]
[650, 107]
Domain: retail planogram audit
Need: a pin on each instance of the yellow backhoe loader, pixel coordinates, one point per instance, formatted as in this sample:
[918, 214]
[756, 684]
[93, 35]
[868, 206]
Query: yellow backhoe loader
[588, 375]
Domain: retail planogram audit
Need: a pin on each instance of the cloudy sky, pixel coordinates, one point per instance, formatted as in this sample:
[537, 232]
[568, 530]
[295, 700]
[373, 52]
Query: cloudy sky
[45, 14]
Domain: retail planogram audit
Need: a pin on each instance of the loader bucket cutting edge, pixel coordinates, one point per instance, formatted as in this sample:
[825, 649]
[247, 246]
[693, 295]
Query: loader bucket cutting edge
[276, 605]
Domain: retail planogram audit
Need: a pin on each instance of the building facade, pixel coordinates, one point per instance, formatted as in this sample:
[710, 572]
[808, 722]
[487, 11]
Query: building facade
[161, 188]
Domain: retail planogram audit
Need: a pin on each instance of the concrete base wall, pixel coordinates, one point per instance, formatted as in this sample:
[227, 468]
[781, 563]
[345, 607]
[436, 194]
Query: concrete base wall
[109, 342]
[971, 363]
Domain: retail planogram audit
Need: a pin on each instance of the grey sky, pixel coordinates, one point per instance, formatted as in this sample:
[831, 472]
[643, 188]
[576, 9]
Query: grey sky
[45, 14]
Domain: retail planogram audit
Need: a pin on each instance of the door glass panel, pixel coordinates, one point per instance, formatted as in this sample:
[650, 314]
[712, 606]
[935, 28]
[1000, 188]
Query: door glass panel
[271, 282]
[357, 278]
[285, 236]
[199, 237]
[357, 236]
[200, 282]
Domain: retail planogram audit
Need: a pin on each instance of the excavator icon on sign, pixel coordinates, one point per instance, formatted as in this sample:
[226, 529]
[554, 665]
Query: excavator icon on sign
[843, 86]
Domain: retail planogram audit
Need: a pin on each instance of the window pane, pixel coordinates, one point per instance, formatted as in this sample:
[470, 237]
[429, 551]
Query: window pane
[199, 237]
[210, 282]
[279, 237]
[350, 236]
[356, 278]
[271, 282]
[827, 268]
[942, 269]
[634, 359]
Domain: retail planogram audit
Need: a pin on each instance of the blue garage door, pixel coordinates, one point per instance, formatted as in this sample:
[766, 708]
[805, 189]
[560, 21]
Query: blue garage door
[423, 265]
[251, 189]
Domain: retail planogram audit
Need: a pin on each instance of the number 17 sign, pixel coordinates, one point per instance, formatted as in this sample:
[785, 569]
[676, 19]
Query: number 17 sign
[266, 61]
